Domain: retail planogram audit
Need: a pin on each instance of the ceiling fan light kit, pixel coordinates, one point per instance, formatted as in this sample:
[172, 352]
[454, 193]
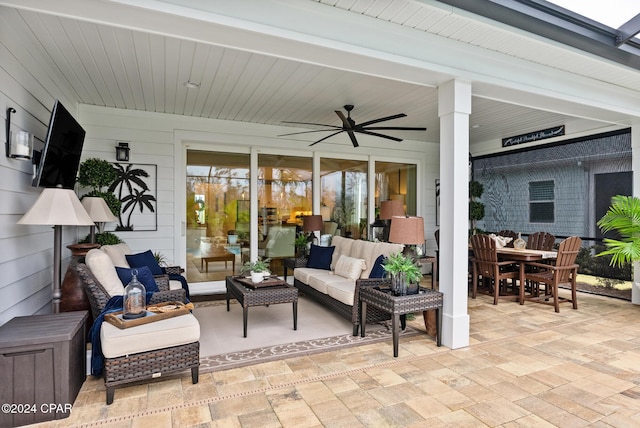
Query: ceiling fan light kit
[351, 127]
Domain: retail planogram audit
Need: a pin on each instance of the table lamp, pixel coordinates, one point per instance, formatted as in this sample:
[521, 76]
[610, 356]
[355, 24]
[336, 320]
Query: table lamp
[311, 224]
[408, 231]
[57, 207]
[99, 212]
[388, 210]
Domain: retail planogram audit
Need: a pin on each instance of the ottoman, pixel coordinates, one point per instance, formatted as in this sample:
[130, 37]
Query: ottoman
[149, 351]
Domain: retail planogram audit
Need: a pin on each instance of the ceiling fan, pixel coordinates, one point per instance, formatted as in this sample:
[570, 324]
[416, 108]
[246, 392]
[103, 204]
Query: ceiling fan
[351, 127]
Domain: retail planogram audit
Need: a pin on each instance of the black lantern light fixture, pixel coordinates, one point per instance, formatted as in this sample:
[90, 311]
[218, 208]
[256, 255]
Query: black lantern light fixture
[122, 152]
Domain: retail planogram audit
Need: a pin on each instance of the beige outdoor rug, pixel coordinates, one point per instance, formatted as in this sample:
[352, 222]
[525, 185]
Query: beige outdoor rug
[270, 333]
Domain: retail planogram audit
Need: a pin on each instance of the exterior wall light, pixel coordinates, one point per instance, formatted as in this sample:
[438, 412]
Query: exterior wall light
[122, 152]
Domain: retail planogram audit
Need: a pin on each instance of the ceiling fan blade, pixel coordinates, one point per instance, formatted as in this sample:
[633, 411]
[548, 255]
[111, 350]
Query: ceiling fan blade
[345, 122]
[375, 134]
[324, 138]
[307, 132]
[396, 128]
[316, 124]
[353, 138]
[382, 119]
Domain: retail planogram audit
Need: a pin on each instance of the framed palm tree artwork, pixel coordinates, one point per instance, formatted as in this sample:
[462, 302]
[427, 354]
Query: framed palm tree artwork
[136, 188]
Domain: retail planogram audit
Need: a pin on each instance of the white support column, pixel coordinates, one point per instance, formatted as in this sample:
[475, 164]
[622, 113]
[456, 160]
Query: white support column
[635, 167]
[253, 192]
[454, 108]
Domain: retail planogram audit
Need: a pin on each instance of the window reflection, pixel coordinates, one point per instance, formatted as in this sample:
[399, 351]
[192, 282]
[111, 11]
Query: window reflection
[344, 196]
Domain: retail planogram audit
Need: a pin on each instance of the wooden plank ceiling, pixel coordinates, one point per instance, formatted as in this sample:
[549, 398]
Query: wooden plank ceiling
[117, 67]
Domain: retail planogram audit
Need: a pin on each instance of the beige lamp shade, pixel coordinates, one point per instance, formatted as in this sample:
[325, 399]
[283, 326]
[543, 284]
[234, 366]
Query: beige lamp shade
[391, 208]
[57, 207]
[407, 230]
[311, 223]
[98, 210]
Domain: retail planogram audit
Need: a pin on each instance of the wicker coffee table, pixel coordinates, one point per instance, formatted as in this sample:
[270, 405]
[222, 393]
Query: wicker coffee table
[382, 299]
[261, 296]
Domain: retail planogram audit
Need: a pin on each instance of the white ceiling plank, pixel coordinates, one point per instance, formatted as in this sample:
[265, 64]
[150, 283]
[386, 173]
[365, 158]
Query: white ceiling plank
[143, 52]
[110, 43]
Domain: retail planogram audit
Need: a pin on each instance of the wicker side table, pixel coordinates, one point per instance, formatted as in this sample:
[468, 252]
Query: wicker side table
[292, 263]
[425, 300]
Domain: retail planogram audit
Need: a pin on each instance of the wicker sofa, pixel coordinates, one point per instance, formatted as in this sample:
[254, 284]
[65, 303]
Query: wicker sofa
[147, 351]
[352, 262]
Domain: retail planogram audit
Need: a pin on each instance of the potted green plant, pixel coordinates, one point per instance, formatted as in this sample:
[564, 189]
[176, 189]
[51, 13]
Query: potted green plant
[476, 208]
[403, 270]
[97, 174]
[301, 244]
[258, 269]
[623, 217]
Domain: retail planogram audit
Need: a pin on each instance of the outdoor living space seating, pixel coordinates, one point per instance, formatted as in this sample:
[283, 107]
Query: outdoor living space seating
[141, 352]
[561, 271]
[493, 272]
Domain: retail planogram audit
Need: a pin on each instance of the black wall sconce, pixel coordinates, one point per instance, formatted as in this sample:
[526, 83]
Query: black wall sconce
[19, 144]
[122, 152]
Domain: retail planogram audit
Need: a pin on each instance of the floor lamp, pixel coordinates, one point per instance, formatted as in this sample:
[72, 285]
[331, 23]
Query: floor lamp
[57, 207]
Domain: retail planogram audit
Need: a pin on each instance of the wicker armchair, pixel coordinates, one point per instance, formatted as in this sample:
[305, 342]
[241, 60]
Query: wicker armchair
[98, 296]
[148, 364]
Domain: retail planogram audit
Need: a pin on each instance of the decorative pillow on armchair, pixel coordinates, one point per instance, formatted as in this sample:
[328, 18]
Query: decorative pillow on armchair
[145, 259]
[102, 268]
[320, 257]
[144, 276]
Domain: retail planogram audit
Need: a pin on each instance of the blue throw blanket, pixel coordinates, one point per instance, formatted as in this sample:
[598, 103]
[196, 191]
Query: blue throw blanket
[97, 359]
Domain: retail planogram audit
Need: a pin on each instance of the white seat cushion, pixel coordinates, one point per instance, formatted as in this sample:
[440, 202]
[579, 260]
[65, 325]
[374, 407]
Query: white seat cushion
[103, 269]
[303, 274]
[320, 280]
[342, 290]
[175, 331]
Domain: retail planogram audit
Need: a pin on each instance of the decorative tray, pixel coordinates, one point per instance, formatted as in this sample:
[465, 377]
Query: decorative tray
[156, 312]
[268, 281]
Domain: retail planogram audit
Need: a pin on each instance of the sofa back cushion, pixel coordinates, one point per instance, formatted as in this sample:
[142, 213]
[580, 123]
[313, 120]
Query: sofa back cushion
[370, 251]
[349, 267]
[342, 248]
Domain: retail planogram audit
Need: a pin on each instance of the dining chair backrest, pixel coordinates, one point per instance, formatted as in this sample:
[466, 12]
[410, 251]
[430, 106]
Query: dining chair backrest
[508, 234]
[567, 253]
[484, 248]
[541, 241]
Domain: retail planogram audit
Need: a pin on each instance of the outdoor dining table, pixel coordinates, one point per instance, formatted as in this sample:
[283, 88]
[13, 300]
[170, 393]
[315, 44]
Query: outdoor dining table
[524, 255]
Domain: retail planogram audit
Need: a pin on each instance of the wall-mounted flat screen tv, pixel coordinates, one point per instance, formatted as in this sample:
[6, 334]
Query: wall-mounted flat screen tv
[60, 158]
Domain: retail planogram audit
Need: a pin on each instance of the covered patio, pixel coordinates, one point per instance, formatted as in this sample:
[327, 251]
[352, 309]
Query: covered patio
[525, 366]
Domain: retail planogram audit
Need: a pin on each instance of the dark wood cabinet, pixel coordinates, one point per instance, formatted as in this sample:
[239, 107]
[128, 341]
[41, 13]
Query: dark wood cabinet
[42, 366]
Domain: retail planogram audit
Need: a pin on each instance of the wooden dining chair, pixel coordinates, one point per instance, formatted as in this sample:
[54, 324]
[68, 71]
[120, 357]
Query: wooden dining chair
[485, 264]
[541, 241]
[551, 274]
[508, 234]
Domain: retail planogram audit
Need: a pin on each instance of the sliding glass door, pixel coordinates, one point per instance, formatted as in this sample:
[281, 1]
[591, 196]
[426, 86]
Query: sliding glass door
[217, 213]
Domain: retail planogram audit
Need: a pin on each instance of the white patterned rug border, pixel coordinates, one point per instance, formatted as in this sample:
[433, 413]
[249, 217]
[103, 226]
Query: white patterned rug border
[296, 349]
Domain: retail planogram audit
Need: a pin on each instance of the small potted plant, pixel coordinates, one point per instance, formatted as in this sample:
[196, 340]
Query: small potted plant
[258, 268]
[301, 244]
[404, 272]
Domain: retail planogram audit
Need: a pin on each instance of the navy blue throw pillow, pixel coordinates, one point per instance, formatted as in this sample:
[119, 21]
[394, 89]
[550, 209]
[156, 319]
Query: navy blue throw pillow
[144, 259]
[144, 276]
[320, 257]
[378, 271]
